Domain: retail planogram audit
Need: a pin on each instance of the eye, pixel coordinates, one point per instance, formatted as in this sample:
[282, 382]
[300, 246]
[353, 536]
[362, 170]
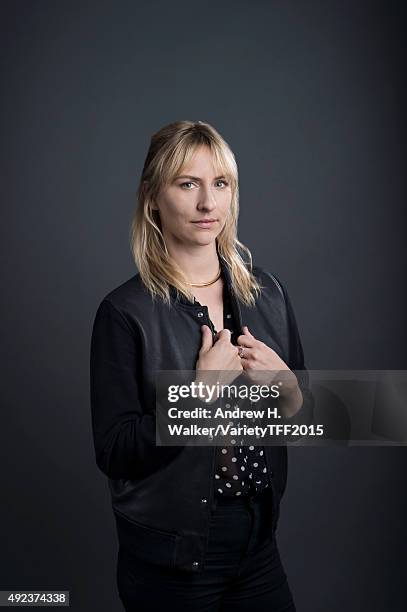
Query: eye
[222, 181]
[184, 185]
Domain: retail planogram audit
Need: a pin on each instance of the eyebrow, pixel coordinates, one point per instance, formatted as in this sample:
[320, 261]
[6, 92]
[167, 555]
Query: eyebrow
[196, 178]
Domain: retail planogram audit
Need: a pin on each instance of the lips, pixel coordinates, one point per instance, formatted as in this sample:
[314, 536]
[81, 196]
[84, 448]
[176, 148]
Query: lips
[204, 223]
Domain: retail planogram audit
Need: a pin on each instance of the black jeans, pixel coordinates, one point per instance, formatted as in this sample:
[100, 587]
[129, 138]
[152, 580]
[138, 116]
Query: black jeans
[243, 570]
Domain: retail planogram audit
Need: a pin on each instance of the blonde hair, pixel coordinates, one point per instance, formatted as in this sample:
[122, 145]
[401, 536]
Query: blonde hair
[170, 150]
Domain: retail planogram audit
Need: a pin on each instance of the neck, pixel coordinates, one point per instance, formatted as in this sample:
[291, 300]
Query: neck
[200, 265]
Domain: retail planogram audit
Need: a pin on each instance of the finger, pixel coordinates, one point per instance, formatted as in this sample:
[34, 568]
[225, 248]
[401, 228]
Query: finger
[224, 335]
[207, 341]
[246, 365]
[247, 332]
[246, 353]
[244, 340]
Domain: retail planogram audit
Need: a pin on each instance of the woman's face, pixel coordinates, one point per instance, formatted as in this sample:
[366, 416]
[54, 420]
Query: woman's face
[196, 193]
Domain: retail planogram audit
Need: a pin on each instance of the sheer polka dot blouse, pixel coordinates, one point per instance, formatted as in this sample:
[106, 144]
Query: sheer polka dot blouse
[239, 470]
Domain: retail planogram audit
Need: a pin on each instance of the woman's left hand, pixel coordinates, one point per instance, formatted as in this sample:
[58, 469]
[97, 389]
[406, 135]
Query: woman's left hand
[262, 365]
[257, 357]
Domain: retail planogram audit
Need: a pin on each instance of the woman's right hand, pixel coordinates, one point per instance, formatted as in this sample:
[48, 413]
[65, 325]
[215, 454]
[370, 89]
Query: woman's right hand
[222, 358]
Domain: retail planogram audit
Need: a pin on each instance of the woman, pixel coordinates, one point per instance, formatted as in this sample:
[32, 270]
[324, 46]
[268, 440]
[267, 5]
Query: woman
[196, 524]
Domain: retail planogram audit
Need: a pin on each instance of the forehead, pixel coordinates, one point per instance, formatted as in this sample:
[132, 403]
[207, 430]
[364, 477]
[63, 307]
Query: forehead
[202, 161]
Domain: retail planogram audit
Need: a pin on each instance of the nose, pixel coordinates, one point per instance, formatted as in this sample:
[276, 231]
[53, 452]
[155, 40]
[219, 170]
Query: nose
[207, 200]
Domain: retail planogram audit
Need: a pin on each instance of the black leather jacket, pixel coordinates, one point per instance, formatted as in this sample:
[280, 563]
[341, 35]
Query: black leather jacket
[161, 495]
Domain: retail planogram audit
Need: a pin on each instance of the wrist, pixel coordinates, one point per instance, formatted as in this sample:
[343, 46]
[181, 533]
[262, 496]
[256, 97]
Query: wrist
[290, 394]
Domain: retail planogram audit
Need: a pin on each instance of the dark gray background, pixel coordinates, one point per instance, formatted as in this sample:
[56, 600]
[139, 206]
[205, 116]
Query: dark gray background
[310, 97]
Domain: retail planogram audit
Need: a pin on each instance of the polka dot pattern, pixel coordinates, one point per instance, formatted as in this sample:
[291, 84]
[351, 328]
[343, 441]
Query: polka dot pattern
[239, 470]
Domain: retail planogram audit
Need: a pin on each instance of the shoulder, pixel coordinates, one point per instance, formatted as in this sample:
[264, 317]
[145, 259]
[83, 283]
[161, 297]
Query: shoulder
[126, 300]
[127, 292]
[270, 281]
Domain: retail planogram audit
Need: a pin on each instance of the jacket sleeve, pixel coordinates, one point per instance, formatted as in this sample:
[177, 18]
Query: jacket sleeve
[296, 363]
[124, 430]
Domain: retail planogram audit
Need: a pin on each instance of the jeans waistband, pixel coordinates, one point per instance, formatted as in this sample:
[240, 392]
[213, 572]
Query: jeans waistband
[244, 500]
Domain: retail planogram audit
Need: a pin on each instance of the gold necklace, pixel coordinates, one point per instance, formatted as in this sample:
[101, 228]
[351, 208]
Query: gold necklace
[210, 282]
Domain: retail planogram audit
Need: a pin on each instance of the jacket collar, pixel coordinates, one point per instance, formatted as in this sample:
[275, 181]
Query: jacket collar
[180, 299]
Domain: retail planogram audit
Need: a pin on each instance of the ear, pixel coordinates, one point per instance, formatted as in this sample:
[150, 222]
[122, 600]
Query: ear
[144, 186]
[153, 205]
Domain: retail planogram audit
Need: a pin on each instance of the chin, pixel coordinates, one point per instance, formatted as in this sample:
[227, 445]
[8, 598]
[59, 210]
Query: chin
[205, 239]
